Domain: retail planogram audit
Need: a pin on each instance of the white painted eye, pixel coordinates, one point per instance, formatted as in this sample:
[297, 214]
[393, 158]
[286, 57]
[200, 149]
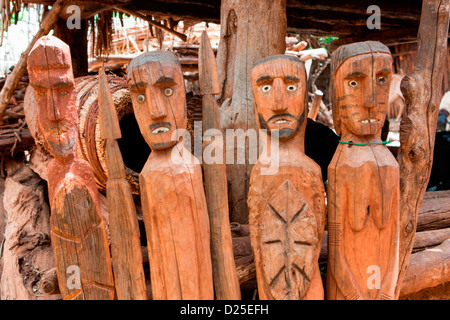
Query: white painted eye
[168, 92]
[381, 80]
[266, 88]
[353, 83]
[291, 87]
[140, 98]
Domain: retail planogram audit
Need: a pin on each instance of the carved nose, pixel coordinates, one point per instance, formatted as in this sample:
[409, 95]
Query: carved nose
[52, 104]
[279, 94]
[370, 98]
[158, 109]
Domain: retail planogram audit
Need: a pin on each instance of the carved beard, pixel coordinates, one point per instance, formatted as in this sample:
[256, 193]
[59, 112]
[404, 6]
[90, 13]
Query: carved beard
[283, 133]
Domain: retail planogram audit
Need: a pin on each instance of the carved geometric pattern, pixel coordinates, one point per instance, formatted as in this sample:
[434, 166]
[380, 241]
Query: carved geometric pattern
[288, 243]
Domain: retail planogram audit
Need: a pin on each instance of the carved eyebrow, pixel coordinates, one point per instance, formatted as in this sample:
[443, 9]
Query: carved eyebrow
[355, 74]
[138, 85]
[165, 81]
[62, 84]
[263, 79]
[385, 70]
[291, 78]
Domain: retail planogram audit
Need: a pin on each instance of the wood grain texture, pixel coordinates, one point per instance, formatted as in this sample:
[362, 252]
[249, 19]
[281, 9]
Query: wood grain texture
[78, 232]
[226, 282]
[363, 180]
[422, 92]
[123, 225]
[250, 30]
[172, 194]
[287, 206]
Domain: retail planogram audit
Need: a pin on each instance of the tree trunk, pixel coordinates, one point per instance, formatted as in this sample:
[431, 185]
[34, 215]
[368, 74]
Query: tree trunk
[250, 30]
[422, 92]
[27, 252]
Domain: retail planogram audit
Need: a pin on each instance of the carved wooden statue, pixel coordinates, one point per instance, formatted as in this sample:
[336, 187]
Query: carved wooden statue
[173, 199]
[363, 178]
[78, 233]
[286, 202]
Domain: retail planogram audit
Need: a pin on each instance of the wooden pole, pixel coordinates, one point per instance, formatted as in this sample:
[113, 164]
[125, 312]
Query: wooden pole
[314, 110]
[422, 92]
[250, 30]
[14, 78]
[224, 270]
[123, 224]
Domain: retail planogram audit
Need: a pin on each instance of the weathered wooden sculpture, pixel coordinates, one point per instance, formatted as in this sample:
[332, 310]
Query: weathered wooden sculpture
[78, 233]
[173, 199]
[226, 282]
[363, 178]
[123, 225]
[287, 206]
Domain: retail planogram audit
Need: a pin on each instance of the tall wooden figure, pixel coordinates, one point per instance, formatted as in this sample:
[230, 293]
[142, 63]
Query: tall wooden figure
[78, 232]
[172, 194]
[286, 197]
[363, 178]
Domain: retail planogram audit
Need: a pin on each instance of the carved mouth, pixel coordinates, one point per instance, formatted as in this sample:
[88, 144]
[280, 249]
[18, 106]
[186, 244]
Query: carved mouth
[160, 127]
[57, 131]
[160, 130]
[373, 120]
[282, 121]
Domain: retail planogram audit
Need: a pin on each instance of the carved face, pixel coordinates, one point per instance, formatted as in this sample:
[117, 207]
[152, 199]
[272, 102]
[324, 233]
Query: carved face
[157, 91]
[362, 93]
[51, 76]
[278, 85]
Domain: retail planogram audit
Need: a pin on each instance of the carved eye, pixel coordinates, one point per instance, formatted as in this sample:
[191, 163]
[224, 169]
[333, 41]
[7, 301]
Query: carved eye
[42, 93]
[353, 83]
[168, 92]
[140, 98]
[291, 87]
[381, 80]
[63, 93]
[266, 88]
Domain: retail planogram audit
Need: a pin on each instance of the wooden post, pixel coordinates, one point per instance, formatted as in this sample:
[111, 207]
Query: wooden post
[172, 194]
[215, 174]
[250, 30]
[287, 195]
[78, 234]
[123, 225]
[315, 106]
[14, 78]
[363, 178]
[422, 92]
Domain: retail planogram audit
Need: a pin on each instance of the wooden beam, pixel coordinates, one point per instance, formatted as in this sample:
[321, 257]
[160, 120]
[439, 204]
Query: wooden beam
[183, 37]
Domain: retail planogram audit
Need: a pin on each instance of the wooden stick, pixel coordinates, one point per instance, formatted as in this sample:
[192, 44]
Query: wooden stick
[314, 110]
[123, 224]
[14, 78]
[224, 271]
[182, 36]
[422, 92]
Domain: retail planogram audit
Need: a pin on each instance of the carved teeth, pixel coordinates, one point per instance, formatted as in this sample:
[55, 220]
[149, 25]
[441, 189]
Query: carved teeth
[282, 121]
[370, 120]
[160, 130]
